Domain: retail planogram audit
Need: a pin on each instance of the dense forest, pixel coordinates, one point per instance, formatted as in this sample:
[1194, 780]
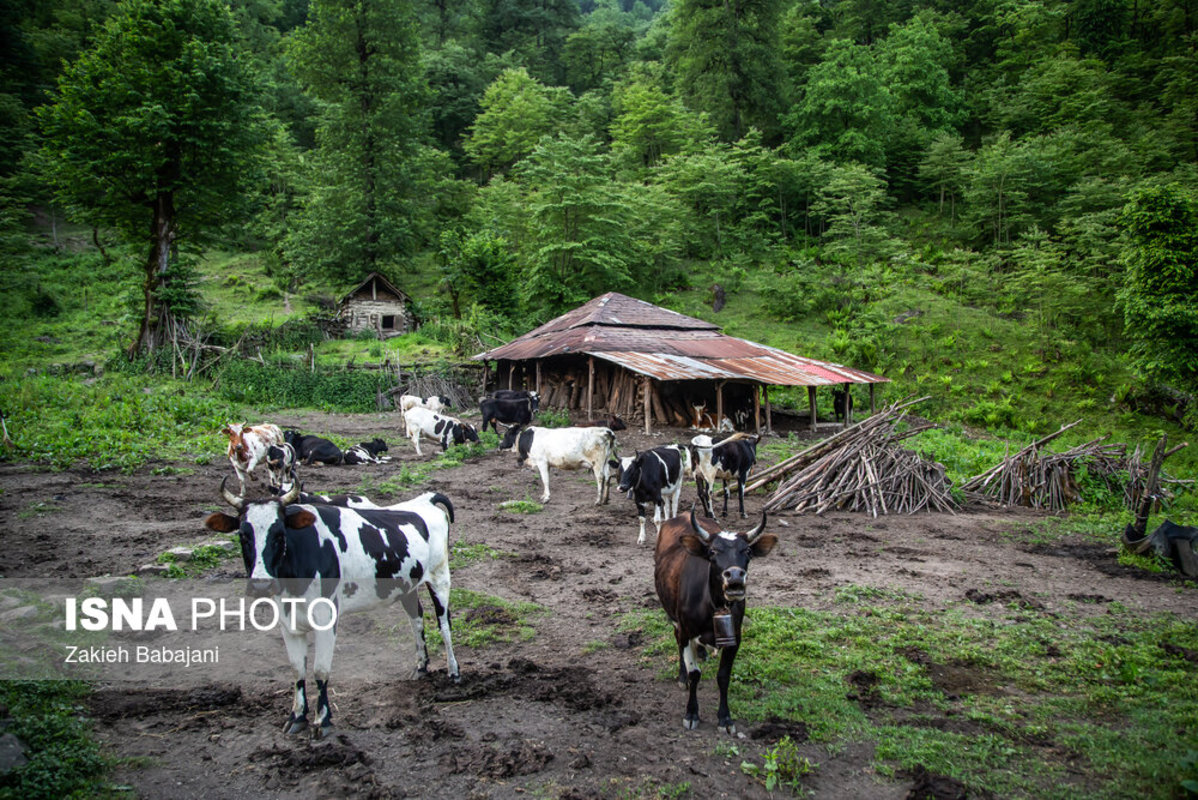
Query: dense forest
[1031, 161]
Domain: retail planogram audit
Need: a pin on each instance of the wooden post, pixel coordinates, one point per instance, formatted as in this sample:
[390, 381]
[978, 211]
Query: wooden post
[486, 377]
[769, 422]
[511, 374]
[757, 409]
[871, 399]
[719, 404]
[648, 408]
[811, 402]
[590, 387]
[538, 377]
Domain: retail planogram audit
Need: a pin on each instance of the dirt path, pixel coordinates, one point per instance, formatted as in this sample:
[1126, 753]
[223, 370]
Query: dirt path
[576, 712]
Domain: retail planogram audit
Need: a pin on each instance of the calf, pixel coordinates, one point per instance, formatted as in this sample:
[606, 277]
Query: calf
[313, 449]
[654, 476]
[730, 459]
[281, 462]
[564, 448]
[445, 430]
[247, 447]
[355, 559]
[508, 410]
[367, 453]
[704, 420]
[700, 570]
[842, 403]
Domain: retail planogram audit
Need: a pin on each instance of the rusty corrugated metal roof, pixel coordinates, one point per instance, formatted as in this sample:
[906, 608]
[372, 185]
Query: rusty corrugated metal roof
[669, 346]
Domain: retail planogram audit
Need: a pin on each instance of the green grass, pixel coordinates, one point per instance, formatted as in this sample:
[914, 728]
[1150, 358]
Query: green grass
[481, 620]
[524, 506]
[991, 702]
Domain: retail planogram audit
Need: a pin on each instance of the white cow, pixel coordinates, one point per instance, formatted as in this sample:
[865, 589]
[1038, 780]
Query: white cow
[565, 448]
[445, 430]
[409, 401]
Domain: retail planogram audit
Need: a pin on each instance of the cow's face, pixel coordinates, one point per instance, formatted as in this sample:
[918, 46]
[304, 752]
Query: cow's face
[729, 554]
[630, 471]
[261, 528]
[509, 438]
[468, 432]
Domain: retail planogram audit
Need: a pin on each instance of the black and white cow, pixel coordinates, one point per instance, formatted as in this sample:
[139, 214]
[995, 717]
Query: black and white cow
[444, 430]
[654, 476]
[281, 461]
[355, 559]
[731, 459]
[514, 410]
[564, 448]
[313, 449]
[367, 453]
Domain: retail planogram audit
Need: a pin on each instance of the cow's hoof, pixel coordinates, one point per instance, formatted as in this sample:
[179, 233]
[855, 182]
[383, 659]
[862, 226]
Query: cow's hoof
[294, 727]
[729, 729]
[418, 673]
[322, 732]
[690, 723]
[456, 678]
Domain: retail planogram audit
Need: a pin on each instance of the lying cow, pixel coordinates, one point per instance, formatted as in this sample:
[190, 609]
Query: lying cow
[704, 420]
[367, 453]
[247, 447]
[699, 569]
[356, 558]
[654, 476]
[281, 461]
[444, 430]
[564, 448]
[731, 459]
[313, 449]
[509, 410]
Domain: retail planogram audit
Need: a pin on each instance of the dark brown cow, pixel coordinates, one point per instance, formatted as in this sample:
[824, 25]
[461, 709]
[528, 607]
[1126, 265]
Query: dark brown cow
[700, 569]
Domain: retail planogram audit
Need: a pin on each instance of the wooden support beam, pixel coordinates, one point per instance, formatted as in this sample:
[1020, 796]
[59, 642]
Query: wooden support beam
[511, 375]
[757, 409]
[872, 408]
[648, 407]
[769, 422]
[811, 403]
[719, 403]
[538, 377]
[590, 387]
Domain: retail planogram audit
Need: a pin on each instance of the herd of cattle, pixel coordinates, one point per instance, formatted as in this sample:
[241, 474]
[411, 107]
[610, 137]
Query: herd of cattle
[302, 547]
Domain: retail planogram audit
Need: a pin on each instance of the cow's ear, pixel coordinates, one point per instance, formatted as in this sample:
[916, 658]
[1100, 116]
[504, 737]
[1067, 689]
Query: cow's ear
[301, 518]
[222, 523]
[764, 545]
[694, 544]
[611, 462]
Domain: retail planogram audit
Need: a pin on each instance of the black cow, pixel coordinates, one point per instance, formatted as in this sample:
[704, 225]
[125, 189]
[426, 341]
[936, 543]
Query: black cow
[842, 403]
[699, 569]
[515, 394]
[313, 449]
[731, 459]
[329, 560]
[367, 453]
[612, 421]
[654, 476]
[508, 410]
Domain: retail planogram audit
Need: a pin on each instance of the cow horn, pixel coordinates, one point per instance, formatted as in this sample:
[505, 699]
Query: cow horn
[293, 495]
[230, 498]
[752, 535]
[703, 535]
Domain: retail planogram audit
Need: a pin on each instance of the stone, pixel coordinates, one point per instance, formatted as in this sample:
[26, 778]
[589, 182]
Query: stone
[12, 753]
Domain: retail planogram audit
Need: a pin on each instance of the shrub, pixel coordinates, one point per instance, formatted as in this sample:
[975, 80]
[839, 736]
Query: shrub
[254, 384]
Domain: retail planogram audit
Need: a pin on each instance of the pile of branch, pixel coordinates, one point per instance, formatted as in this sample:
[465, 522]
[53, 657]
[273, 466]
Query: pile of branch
[1036, 478]
[861, 468]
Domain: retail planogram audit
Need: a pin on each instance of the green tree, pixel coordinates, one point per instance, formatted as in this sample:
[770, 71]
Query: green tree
[1159, 298]
[996, 192]
[517, 110]
[361, 61]
[650, 124]
[852, 202]
[534, 30]
[943, 170]
[155, 131]
[726, 57]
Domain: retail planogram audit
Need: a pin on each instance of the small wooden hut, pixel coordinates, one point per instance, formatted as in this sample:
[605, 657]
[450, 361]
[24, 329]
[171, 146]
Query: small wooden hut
[376, 305]
[620, 355]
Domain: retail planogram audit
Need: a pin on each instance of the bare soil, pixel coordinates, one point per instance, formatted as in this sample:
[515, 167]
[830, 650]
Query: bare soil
[578, 711]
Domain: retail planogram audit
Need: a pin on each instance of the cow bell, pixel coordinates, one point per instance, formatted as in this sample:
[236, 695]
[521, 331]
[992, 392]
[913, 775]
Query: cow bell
[725, 628]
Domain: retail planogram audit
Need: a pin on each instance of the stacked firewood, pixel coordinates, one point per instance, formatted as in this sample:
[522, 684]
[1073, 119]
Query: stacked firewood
[861, 468]
[1037, 478]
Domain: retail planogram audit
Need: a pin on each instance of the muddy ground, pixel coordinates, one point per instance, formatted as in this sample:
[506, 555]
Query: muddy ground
[577, 711]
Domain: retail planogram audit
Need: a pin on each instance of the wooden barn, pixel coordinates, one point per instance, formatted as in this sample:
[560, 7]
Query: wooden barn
[376, 305]
[619, 355]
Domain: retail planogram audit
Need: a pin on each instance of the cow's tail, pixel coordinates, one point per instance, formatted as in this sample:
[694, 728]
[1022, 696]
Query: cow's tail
[439, 499]
[612, 452]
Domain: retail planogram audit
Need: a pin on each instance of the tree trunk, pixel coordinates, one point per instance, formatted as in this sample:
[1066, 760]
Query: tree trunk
[163, 231]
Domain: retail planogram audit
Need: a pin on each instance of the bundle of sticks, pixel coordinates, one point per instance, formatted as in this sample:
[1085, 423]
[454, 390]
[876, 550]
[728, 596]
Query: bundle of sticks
[1039, 479]
[861, 468]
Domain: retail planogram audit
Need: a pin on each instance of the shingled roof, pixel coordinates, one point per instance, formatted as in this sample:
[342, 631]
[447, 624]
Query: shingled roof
[668, 346]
